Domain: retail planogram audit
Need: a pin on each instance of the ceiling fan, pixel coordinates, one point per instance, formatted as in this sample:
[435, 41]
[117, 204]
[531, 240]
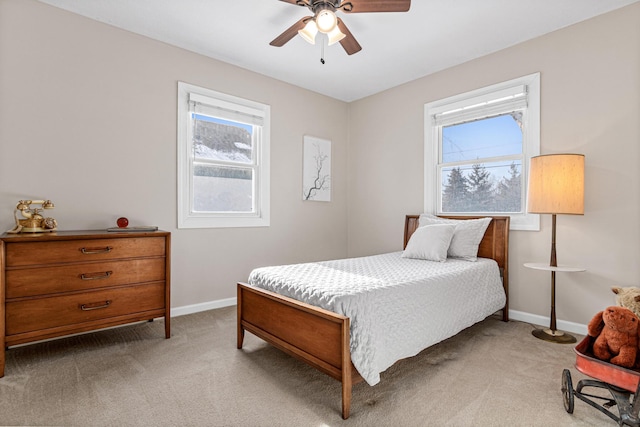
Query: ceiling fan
[324, 20]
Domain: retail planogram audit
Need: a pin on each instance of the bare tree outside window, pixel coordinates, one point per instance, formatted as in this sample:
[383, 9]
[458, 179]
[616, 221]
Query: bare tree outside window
[316, 173]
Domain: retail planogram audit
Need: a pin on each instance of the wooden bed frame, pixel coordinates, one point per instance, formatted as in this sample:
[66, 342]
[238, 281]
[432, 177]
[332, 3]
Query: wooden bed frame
[320, 337]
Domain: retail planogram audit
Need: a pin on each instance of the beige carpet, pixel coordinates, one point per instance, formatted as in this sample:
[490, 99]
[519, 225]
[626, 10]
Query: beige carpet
[492, 374]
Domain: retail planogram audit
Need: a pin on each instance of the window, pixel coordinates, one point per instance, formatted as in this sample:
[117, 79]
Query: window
[223, 160]
[477, 150]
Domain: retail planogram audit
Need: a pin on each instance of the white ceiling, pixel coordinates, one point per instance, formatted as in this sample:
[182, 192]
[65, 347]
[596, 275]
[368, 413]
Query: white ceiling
[396, 47]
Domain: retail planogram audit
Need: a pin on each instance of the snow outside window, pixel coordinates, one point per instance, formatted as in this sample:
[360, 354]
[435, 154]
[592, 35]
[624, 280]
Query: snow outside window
[223, 160]
[477, 150]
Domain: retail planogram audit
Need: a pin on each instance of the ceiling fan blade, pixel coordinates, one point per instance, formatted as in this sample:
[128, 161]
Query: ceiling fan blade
[292, 2]
[290, 32]
[362, 6]
[349, 43]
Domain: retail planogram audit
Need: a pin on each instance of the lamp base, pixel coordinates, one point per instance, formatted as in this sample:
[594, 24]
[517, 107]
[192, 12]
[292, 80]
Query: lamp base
[558, 337]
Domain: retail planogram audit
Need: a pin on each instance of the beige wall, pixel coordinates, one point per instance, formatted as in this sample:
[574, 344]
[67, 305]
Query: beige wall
[590, 104]
[88, 119]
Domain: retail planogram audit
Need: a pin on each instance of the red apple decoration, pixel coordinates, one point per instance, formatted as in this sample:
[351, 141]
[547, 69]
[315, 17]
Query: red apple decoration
[122, 222]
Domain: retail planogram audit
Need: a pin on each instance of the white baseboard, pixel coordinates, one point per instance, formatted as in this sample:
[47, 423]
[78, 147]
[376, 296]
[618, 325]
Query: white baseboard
[522, 316]
[204, 306]
[562, 325]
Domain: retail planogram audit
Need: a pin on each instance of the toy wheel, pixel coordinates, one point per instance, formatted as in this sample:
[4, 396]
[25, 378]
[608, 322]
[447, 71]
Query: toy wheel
[567, 391]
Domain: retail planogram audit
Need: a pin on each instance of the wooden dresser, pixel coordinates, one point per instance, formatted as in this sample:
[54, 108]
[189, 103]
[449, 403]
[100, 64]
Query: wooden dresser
[55, 284]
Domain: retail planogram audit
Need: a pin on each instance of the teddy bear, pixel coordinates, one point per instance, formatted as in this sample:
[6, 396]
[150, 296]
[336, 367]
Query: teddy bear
[615, 330]
[628, 298]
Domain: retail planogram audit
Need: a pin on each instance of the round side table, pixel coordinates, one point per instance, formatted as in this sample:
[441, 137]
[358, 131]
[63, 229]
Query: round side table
[552, 334]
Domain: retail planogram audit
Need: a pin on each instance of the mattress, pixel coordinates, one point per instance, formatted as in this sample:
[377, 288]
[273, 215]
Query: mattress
[397, 306]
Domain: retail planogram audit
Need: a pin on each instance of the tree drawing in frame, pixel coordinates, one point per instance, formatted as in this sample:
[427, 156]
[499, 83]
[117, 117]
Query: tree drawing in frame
[316, 169]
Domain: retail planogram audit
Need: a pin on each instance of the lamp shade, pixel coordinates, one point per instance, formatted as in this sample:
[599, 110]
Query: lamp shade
[556, 184]
[309, 31]
[326, 20]
[334, 36]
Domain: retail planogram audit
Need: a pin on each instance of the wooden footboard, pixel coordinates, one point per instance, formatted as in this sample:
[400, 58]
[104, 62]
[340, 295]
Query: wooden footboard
[316, 336]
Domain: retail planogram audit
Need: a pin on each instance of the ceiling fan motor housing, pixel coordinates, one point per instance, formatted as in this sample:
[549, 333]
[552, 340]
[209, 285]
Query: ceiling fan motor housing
[318, 5]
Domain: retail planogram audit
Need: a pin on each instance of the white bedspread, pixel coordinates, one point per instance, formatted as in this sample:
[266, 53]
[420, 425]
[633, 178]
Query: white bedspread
[397, 306]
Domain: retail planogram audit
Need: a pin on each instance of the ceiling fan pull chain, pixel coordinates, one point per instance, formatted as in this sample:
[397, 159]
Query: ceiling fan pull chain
[322, 52]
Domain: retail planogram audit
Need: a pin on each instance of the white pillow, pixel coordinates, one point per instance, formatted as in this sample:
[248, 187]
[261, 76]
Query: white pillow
[466, 237]
[430, 242]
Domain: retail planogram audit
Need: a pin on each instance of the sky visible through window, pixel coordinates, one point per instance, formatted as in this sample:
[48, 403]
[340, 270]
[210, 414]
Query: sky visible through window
[202, 117]
[495, 136]
[491, 137]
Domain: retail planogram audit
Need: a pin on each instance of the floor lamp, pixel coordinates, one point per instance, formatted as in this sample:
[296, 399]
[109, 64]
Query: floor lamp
[556, 186]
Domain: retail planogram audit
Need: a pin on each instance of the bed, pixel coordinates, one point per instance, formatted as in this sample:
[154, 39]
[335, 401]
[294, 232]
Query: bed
[336, 337]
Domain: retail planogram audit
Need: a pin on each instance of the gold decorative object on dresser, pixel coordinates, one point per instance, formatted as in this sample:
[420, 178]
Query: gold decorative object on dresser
[66, 282]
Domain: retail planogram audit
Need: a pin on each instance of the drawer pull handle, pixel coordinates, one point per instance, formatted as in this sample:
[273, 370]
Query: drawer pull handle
[85, 307]
[95, 276]
[90, 251]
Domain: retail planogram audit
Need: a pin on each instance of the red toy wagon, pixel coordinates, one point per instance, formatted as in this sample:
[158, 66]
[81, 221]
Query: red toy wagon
[622, 383]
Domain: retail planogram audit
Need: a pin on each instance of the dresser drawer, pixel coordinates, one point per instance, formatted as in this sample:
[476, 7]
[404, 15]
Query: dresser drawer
[73, 309]
[25, 282]
[55, 252]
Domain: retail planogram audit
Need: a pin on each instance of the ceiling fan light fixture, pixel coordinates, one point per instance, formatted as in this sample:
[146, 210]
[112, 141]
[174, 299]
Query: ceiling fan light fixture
[335, 35]
[326, 21]
[309, 31]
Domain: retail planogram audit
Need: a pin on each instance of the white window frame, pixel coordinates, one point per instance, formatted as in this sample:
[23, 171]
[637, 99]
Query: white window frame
[471, 100]
[187, 218]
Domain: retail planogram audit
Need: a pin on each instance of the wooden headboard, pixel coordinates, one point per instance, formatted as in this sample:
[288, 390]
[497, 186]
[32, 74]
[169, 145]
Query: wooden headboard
[494, 244]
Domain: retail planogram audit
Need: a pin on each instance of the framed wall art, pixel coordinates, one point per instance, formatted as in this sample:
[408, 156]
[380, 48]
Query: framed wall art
[316, 169]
